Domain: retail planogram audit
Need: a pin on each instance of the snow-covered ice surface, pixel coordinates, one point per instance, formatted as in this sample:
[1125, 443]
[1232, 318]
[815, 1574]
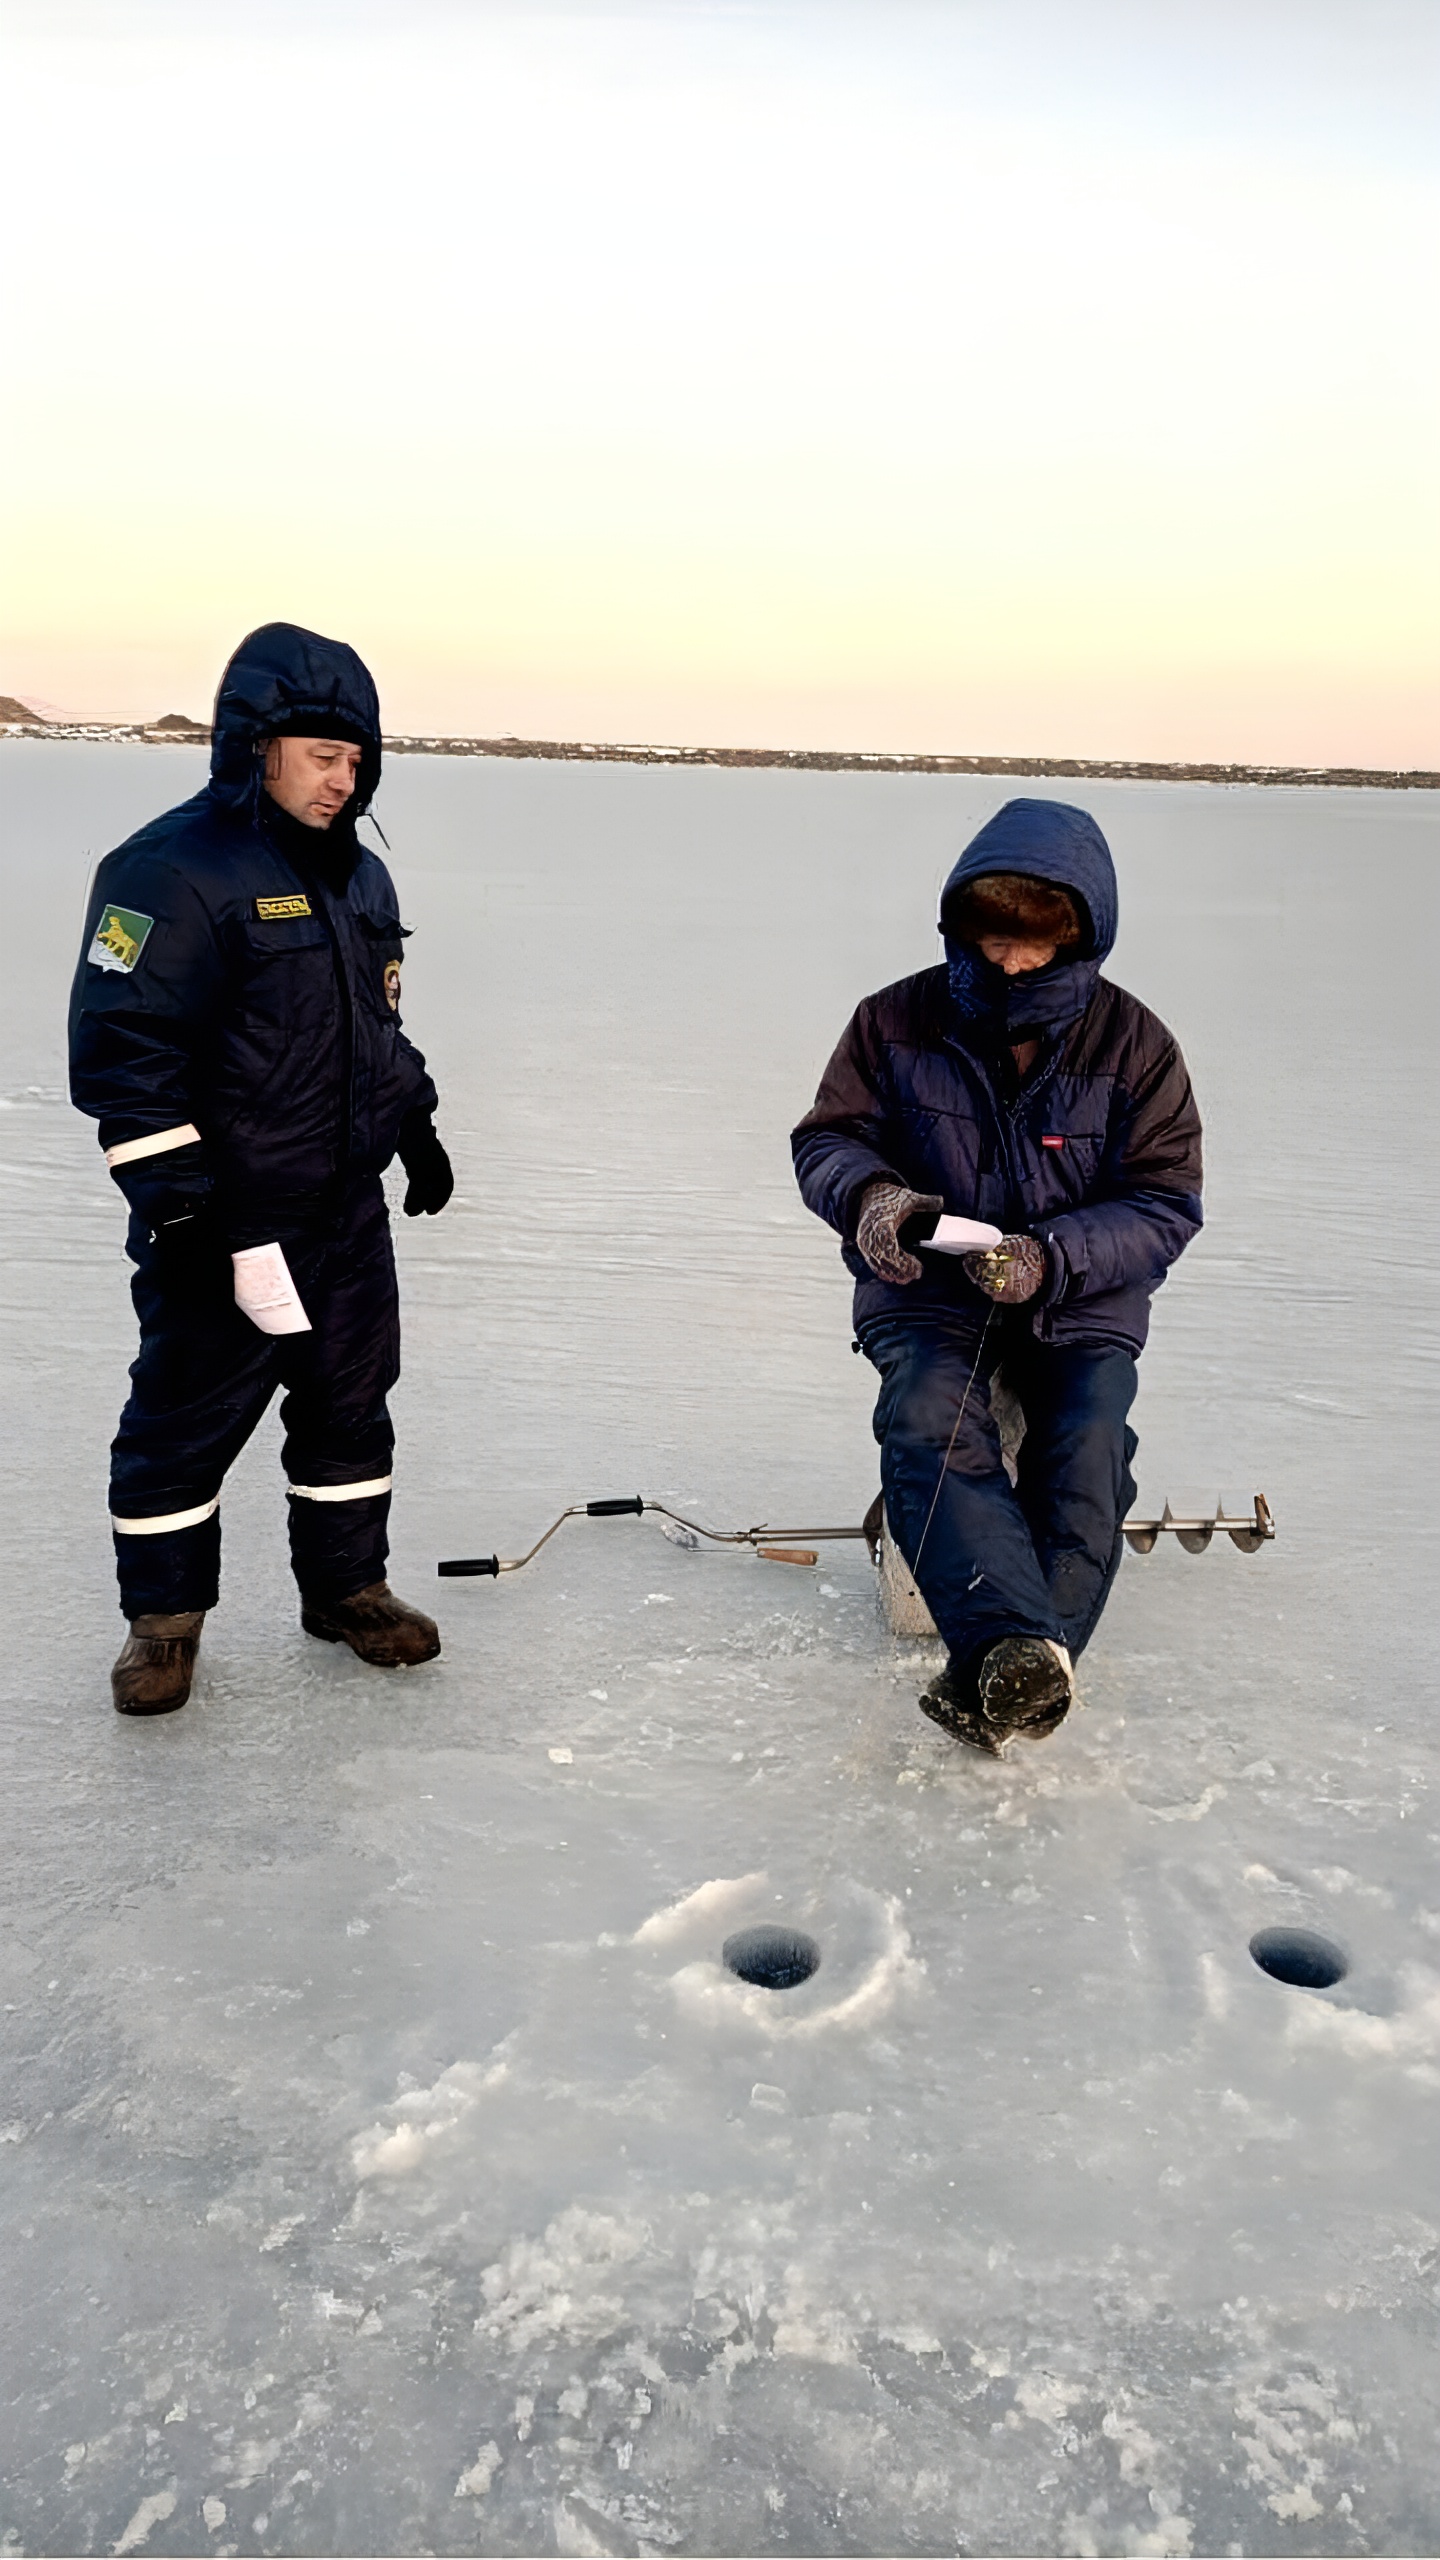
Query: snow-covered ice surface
[388, 2163]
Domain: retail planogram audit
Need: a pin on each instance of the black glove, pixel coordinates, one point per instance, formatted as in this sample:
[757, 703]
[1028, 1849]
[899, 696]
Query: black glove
[884, 1208]
[168, 1192]
[431, 1180]
[1011, 1271]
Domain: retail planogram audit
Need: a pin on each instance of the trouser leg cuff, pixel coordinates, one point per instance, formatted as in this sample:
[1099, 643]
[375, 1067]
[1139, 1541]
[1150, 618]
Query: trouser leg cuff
[338, 1548]
[168, 1572]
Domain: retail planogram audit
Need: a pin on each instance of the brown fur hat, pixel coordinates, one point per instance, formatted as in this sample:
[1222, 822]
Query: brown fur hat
[1008, 902]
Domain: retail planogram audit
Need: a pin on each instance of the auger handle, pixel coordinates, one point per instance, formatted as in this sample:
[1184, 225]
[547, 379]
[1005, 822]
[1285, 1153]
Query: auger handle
[468, 1564]
[612, 1510]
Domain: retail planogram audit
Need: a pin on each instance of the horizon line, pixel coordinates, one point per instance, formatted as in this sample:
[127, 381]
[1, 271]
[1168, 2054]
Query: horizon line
[172, 729]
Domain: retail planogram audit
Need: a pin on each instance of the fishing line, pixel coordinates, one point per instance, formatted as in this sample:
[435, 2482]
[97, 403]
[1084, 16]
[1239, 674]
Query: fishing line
[954, 1436]
[830, 1851]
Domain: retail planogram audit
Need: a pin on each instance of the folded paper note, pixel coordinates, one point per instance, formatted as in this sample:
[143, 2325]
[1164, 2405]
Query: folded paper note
[959, 1235]
[265, 1292]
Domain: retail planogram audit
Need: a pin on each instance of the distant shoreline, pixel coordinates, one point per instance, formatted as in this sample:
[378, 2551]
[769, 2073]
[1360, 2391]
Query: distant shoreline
[791, 759]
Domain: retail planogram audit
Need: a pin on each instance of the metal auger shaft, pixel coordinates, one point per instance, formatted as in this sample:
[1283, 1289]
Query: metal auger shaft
[1249, 1531]
[632, 1505]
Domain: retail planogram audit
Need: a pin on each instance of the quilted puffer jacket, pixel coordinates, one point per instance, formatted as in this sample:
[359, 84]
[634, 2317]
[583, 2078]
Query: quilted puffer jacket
[1095, 1149]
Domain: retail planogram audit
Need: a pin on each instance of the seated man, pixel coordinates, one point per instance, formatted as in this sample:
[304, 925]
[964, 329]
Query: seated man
[1018, 1086]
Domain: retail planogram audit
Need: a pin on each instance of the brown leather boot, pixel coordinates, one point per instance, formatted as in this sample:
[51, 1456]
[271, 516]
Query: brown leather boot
[375, 1624]
[156, 1663]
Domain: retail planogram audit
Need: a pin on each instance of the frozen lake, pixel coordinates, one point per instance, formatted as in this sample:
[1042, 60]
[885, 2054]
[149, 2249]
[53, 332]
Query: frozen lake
[384, 2170]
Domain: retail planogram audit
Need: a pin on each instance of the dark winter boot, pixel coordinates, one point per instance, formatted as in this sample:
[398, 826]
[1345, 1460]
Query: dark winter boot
[953, 1702]
[1025, 1685]
[374, 1624]
[156, 1663]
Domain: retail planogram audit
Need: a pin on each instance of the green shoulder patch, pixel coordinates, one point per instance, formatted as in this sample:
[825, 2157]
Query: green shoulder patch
[120, 937]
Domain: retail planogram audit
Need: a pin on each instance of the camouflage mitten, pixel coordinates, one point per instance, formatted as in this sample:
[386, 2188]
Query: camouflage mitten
[884, 1208]
[1011, 1271]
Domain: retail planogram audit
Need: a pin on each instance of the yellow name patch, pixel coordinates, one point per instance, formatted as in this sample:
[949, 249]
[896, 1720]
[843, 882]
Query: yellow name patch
[275, 910]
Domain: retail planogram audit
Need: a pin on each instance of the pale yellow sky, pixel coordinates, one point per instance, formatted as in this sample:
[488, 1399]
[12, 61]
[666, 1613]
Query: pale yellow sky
[986, 375]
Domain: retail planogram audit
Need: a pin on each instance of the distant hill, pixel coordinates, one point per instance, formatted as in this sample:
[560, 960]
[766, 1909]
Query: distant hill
[175, 725]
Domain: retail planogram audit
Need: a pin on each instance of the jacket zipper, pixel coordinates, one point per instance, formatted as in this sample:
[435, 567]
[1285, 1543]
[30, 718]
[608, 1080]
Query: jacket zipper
[1005, 1117]
[347, 1010]
[1041, 1317]
[312, 884]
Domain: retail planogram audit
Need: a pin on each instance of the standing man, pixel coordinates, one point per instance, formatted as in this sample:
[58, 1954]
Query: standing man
[1018, 1086]
[235, 1030]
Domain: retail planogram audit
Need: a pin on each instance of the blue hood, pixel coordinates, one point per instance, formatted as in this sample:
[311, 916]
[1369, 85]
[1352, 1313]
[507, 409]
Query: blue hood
[283, 678]
[1042, 840]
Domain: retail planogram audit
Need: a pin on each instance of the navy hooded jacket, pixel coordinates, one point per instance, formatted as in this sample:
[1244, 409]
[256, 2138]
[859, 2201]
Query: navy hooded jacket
[235, 1010]
[1095, 1150]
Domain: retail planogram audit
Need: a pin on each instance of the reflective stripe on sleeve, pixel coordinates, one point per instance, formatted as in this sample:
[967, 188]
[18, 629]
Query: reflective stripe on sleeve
[167, 1520]
[340, 1492]
[158, 1145]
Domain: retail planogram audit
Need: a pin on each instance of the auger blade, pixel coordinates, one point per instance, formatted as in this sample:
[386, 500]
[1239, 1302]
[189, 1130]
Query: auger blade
[1251, 1536]
[1195, 1536]
[1194, 1531]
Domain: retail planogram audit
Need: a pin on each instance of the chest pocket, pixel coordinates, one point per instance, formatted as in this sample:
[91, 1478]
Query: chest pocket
[286, 993]
[275, 939]
[1064, 1176]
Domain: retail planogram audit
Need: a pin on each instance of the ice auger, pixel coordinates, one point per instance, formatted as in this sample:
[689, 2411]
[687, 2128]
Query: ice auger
[1248, 1531]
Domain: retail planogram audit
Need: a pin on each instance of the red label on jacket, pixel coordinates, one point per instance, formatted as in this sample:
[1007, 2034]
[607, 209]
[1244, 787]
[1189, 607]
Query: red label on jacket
[1052, 1142]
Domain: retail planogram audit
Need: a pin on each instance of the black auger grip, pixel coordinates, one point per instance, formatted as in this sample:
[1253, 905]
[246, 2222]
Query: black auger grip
[612, 1510]
[468, 1564]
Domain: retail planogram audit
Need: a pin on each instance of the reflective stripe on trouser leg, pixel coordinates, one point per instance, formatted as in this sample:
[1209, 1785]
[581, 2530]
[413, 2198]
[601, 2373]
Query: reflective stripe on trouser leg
[169, 1563]
[339, 1537]
[200, 1383]
[338, 1435]
[162, 1522]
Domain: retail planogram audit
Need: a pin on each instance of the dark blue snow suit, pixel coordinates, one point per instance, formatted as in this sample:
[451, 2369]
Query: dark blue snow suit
[234, 1028]
[1094, 1147]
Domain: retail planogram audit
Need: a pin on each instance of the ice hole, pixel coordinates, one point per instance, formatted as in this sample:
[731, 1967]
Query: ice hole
[1299, 1956]
[774, 1957]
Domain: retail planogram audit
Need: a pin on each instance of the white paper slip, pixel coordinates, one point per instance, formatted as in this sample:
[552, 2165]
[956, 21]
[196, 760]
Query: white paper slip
[265, 1292]
[961, 1235]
